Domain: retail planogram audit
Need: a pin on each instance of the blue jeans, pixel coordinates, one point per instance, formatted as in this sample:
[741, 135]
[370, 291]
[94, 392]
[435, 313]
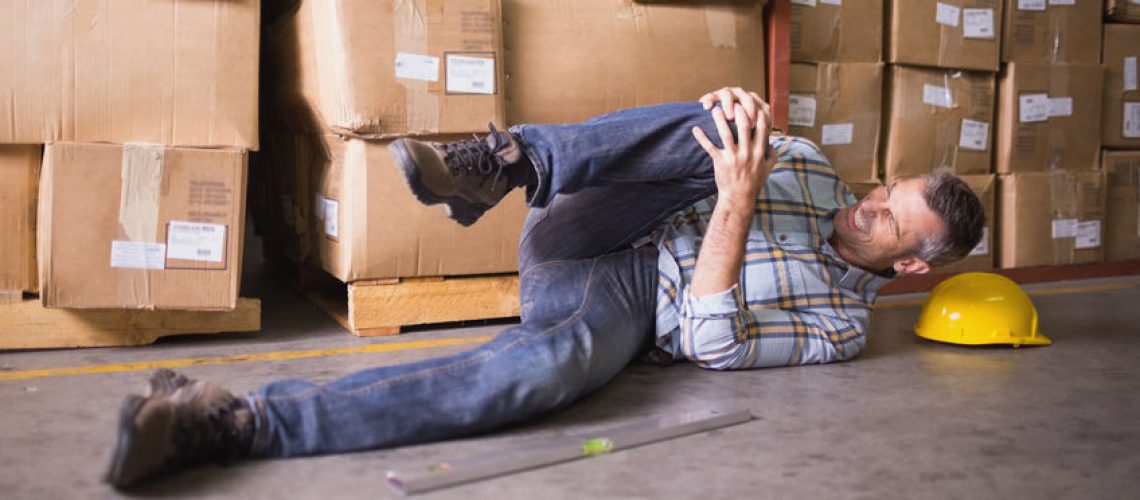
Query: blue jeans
[588, 298]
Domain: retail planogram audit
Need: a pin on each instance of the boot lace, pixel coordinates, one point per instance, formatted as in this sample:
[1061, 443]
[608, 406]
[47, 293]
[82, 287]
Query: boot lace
[209, 435]
[476, 157]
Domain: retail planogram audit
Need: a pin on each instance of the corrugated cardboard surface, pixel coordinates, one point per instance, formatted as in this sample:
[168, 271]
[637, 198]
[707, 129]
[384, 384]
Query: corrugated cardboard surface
[927, 110]
[850, 32]
[103, 204]
[838, 106]
[1052, 32]
[1122, 231]
[982, 256]
[1051, 218]
[20, 174]
[1122, 10]
[1065, 134]
[368, 225]
[1120, 113]
[952, 34]
[378, 69]
[569, 60]
[163, 71]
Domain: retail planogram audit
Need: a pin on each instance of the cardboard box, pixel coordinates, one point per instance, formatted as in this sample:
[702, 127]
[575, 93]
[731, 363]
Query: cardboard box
[1122, 217]
[280, 197]
[1048, 117]
[162, 71]
[1051, 218]
[1120, 113]
[569, 60]
[829, 31]
[1125, 11]
[1051, 31]
[141, 226]
[839, 107]
[20, 171]
[981, 258]
[938, 120]
[382, 69]
[368, 225]
[952, 34]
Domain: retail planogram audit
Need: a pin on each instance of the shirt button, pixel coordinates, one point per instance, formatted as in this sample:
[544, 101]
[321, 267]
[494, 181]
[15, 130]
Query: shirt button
[783, 237]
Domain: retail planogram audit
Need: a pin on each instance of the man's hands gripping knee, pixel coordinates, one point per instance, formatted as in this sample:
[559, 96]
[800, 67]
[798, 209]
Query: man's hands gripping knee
[742, 166]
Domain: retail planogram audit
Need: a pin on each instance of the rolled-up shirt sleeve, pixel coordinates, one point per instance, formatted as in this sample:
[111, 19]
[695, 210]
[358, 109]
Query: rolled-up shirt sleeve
[718, 332]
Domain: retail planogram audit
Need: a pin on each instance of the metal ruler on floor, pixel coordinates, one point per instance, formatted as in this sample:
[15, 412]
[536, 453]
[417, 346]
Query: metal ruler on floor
[477, 467]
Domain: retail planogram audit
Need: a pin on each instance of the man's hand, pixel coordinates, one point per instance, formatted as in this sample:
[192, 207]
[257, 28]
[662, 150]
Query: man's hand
[729, 96]
[740, 168]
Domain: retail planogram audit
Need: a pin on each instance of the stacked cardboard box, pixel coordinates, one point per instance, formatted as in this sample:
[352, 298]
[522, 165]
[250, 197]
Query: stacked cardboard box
[1120, 131]
[19, 167]
[981, 258]
[1122, 215]
[836, 83]
[350, 77]
[1051, 218]
[1122, 11]
[157, 81]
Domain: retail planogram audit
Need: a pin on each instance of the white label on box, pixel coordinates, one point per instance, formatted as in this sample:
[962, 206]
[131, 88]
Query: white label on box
[1064, 228]
[1038, 5]
[1088, 234]
[1033, 108]
[1060, 106]
[1131, 120]
[801, 110]
[196, 241]
[983, 246]
[1062, 2]
[470, 75]
[1134, 2]
[937, 96]
[1129, 73]
[809, 3]
[978, 23]
[947, 14]
[974, 135]
[840, 2]
[138, 255]
[417, 67]
[838, 133]
[331, 210]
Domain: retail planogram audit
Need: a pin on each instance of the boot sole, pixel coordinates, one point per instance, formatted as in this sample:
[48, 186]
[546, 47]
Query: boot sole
[124, 439]
[459, 210]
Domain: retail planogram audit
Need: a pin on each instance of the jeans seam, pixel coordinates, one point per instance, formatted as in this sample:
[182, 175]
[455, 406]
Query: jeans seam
[459, 364]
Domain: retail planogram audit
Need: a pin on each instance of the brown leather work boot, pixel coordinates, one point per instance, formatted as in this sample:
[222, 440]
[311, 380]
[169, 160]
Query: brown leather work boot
[469, 177]
[180, 422]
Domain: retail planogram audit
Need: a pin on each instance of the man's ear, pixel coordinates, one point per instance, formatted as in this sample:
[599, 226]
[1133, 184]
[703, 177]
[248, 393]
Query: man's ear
[911, 265]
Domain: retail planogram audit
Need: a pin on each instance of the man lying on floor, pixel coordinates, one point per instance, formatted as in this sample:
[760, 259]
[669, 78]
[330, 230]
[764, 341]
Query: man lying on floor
[662, 229]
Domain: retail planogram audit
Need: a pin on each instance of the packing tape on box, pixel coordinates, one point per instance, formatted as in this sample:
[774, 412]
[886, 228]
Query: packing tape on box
[410, 26]
[825, 34]
[939, 93]
[721, 20]
[1060, 106]
[139, 252]
[947, 18]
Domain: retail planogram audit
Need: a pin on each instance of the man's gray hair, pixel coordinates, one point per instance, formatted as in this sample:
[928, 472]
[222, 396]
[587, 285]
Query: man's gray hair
[963, 218]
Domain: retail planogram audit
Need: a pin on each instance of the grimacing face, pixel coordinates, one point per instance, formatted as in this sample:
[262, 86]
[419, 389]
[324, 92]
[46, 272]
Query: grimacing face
[884, 229]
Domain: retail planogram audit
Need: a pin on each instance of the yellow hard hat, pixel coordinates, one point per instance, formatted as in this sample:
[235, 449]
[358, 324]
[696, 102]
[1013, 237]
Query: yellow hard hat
[977, 309]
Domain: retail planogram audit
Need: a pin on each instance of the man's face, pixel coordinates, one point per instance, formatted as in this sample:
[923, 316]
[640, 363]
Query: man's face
[885, 228]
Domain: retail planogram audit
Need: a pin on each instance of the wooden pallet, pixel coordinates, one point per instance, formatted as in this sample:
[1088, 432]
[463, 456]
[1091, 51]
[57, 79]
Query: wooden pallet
[28, 325]
[388, 306]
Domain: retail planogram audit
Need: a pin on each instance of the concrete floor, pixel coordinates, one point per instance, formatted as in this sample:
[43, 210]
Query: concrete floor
[908, 419]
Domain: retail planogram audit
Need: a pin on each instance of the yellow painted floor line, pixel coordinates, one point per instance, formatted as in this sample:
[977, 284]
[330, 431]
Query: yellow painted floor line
[239, 358]
[1039, 292]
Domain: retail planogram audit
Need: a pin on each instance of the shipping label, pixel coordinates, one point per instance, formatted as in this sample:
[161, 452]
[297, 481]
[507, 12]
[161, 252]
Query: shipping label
[417, 67]
[937, 96]
[974, 135]
[1131, 128]
[470, 75]
[839, 3]
[1037, 5]
[1060, 106]
[946, 14]
[1062, 2]
[1130, 73]
[978, 23]
[983, 246]
[196, 241]
[1088, 234]
[1064, 228]
[838, 133]
[331, 211]
[801, 110]
[1033, 108]
[809, 3]
[138, 255]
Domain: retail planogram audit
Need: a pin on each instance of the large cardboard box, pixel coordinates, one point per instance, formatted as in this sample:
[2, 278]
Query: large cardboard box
[938, 120]
[1120, 113]
[20, 171]
[381, 69]
[368, 225]
[1051, 218]
[1122, 217]
[1052, 31]
[569, 60]
[952, 34]
[163, 71]
[1049, 117]
[141, 226]
[835, 31]
[1125, 11]
[838, 106]
[981, 258]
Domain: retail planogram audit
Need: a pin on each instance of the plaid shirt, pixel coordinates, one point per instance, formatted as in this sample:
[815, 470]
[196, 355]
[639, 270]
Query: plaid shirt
[797, 302]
